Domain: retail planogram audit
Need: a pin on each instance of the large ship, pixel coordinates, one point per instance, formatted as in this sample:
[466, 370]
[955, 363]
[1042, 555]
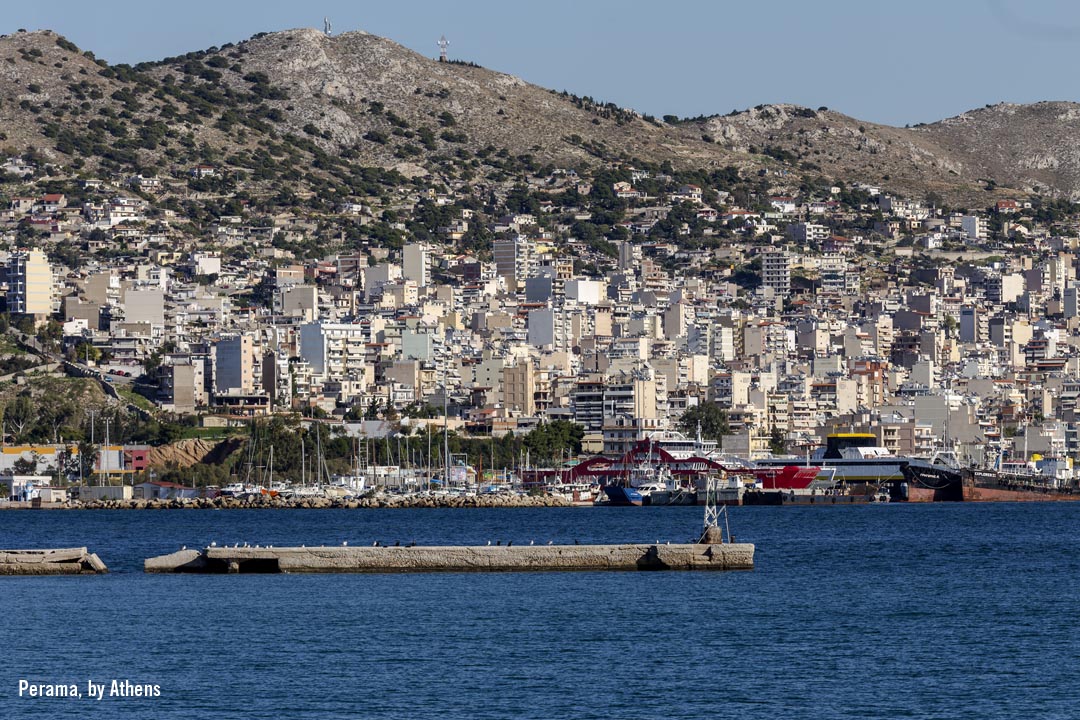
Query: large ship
[1038, 480]
[856, 465]
[847, 458]
[674, 462]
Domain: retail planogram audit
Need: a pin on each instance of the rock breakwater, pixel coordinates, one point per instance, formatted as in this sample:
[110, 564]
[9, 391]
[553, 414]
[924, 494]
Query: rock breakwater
[322, 503]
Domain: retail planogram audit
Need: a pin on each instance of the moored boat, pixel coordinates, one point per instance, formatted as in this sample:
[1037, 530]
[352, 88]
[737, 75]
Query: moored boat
[622, 495]
[1035, 481]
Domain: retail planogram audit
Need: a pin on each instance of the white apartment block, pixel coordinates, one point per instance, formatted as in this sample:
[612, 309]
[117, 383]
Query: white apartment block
[776, 271]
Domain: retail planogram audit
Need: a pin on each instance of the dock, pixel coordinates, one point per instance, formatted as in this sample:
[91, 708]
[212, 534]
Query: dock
[58, 561]
[450, 558]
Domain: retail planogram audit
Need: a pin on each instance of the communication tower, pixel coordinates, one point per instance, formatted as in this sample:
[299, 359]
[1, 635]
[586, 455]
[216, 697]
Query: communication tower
[327, 26]
[443, 44]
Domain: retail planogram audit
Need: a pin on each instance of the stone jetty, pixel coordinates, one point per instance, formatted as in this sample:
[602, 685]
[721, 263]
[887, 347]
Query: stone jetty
[414, 559]
[60, 561]
[323, 503]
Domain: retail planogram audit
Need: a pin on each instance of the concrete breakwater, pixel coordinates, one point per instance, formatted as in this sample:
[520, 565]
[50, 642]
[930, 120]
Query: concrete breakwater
[528, 558]
[59, 561]
[383, 501]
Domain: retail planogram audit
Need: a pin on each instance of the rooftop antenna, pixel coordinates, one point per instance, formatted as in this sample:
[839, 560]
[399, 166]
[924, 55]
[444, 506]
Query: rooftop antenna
[327, 26]
[443, 44]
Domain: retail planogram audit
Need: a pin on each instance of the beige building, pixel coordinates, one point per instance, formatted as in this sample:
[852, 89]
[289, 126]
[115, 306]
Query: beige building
[519, 388]
[30, 284]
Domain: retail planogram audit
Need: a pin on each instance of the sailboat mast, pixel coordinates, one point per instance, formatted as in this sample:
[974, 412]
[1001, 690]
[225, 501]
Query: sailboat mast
[446, 434]
[319, 455]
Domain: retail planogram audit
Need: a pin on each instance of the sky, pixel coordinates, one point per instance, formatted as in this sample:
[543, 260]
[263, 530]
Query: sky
[895, 63]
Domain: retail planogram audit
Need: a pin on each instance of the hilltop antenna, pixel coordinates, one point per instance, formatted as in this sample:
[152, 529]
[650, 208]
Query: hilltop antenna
[327, 26]
[443, 44]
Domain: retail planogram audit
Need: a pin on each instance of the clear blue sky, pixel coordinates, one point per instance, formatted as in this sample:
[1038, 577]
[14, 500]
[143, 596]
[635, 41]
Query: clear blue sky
[897, 62]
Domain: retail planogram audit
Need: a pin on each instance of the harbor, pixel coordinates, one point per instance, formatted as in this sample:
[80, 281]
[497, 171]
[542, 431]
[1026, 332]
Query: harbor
[714, 550]
[664, 469]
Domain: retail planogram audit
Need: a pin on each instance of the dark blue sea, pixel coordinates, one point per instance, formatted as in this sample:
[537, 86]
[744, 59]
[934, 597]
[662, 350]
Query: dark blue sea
[881, 611]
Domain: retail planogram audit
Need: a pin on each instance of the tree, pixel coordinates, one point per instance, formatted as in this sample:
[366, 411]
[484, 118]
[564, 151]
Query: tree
[19, 416]
[26, 466]
[710, 417]
[777, 446]
[86, 459]
[551, 441]
[86, 351]
[49, 335]
[950, 325]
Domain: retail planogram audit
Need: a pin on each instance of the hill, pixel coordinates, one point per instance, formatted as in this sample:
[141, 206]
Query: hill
[298, 111]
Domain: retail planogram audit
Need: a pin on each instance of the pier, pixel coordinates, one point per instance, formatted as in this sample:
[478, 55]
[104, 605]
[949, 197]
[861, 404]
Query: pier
[450, 558]
[60, 561]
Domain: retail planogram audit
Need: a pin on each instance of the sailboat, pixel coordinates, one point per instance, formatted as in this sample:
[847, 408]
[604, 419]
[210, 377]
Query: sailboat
[355, 484]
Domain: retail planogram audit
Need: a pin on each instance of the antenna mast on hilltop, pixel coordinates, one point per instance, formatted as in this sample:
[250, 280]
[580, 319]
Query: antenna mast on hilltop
[327, 26]
[443, 44]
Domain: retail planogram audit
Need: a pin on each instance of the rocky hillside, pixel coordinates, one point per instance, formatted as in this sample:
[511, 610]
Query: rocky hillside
[1033, 147]
[310, 112]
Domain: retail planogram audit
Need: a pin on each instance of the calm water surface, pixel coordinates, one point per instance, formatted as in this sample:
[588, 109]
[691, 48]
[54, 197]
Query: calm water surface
[935, 611]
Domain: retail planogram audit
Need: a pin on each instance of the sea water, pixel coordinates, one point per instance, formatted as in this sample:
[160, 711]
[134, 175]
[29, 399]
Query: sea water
[891, 611]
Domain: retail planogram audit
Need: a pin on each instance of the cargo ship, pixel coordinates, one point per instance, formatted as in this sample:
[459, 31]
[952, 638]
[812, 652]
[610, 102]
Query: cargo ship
[1038, 480]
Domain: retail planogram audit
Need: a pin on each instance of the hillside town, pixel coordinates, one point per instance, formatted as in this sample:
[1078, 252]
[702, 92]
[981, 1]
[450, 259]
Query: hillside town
[619, 300]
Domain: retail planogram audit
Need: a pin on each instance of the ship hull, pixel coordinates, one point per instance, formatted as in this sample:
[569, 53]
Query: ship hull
[622, 496]
[788, 497]
[931, 483]
[988, 486]
[788, 477]
[946, 485]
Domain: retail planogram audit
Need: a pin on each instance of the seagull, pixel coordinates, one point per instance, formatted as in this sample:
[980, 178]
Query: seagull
[489, 542]
[531, 542]
[551, 542]
[213, 544]
[184, 547]
[344, 543]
